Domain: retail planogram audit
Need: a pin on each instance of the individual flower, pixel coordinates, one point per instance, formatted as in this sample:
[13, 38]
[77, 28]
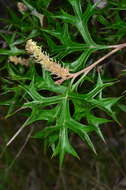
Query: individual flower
[21, 7]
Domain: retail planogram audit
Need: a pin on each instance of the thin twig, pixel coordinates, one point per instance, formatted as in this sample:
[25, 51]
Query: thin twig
[21, 149]
[17, 133]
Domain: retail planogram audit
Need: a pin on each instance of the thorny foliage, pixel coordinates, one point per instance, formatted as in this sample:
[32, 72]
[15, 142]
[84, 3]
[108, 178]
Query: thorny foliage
[70, 107]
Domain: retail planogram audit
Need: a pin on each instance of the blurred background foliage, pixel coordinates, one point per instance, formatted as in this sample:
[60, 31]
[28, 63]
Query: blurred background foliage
[34, 168]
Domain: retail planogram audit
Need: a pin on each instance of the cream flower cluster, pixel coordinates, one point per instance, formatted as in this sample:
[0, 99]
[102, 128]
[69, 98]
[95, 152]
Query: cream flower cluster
[46, 61]
[18, 60]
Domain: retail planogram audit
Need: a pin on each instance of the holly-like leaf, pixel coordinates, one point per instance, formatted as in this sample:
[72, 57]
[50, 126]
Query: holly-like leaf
[64, 146]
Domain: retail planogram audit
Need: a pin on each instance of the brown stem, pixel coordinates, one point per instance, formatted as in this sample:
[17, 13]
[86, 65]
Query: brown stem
[89, 68]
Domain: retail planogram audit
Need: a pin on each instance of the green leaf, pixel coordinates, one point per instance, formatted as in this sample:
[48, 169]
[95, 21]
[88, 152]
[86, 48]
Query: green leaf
[82, 131]
[76, 4]
[97, 121]
[66, 17]
[13, 51]
[106, 104]
[46, 132]
[65, 112]
[80, 62]
[122, 107]
[64, 146]
[43, 101]
[97, 90]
